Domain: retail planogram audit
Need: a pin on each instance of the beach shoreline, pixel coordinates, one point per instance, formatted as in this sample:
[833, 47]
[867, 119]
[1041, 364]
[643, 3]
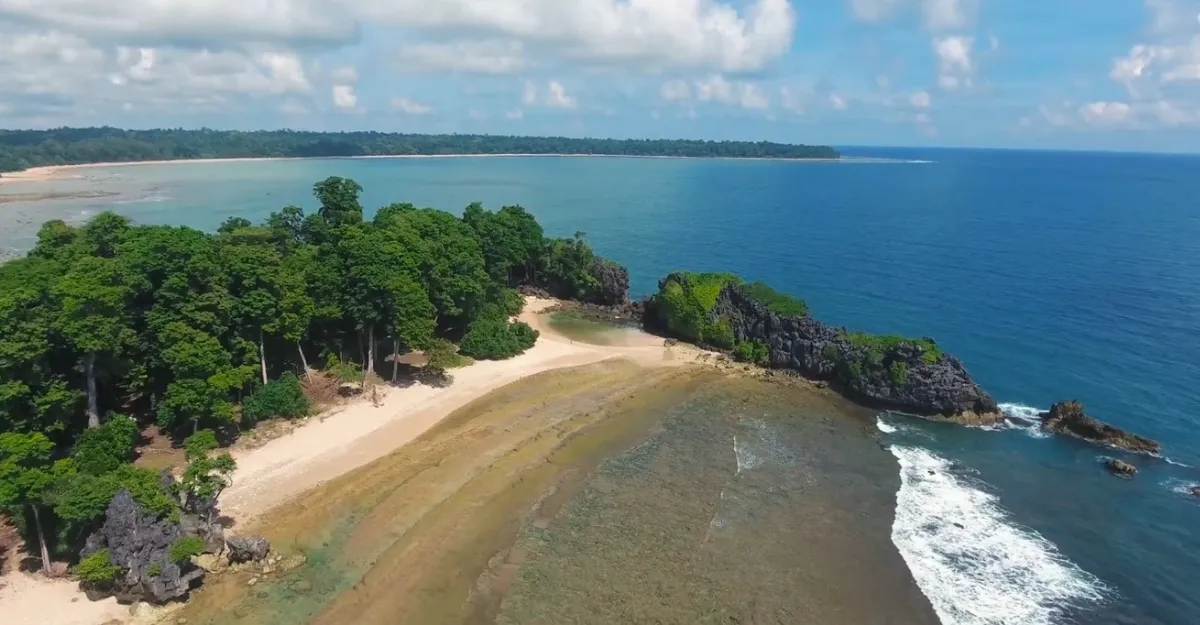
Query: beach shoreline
[327, 447]
[45, 173]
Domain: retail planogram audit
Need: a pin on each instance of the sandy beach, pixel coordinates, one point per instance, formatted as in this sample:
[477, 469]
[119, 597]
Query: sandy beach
[332, 445]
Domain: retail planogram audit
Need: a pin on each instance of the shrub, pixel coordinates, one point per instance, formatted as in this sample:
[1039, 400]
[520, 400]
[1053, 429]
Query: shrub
[343, 372]
[184, 548]
[84, 498]
[155, 569]
[490, 338]
[442, 355]
[279, 398]
[830, 352]
[776, 302]
[686, 301]
[755, 351]
[898, 372]
[719, 334]
[107, 447]
[878, 345]
[97, 568]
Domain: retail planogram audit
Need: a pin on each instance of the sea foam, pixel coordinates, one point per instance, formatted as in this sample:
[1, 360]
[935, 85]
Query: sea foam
[976, 566]
[1024, 418]
[886, 428]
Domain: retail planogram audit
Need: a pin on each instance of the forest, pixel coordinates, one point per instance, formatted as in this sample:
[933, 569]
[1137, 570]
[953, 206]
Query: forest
[109, 327]
[22, 149]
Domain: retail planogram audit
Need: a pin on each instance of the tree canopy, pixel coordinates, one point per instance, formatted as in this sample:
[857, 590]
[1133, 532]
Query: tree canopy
[22, 149]
[205, 333]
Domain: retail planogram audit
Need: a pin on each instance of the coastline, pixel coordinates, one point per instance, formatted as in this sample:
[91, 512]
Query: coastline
[45, 173]
[327, 447]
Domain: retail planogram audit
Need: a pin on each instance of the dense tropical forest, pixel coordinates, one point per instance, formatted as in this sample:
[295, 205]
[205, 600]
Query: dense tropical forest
[22, 149]
[109, 327]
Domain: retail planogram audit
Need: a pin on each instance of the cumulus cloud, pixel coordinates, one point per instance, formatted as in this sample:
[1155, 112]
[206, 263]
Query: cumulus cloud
[716, 88]
[344, 97]
[465, 56]
[955, 64]
[1106, 113]
[411, 107]
[557, 97]
[837, 102]
[920, 99]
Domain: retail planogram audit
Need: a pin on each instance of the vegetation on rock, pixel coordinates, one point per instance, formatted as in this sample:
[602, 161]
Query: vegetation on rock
[97, 568]
[184, 548]
[21, 149]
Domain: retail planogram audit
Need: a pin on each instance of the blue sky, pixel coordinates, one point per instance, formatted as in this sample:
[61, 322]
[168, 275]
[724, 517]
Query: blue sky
[1076, 74]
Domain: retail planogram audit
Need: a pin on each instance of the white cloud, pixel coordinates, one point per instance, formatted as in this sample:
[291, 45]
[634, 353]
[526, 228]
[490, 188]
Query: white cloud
[791, 100]
[477, 115]
[344, 97]
[716, 88]
[920, 99]
[1106, 113]
[838, 102]
[515, 114]
[292, 107]
[955, 63]
[1169, 16]
[495, 56]
[411, 107]
[935, 15]
[530, 95]
[675, 90]
[557, 97]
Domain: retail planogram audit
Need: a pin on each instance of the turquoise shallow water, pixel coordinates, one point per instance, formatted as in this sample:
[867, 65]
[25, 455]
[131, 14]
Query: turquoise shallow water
[1053, 275]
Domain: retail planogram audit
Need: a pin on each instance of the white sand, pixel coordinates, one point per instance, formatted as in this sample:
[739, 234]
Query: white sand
[324, 449]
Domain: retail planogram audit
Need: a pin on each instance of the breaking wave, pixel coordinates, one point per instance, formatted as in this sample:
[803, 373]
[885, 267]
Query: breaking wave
[976, 566]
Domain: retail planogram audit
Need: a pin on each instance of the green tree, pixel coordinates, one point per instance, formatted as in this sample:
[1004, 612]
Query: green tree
[92, 317]
[28, 477]
[206, 474]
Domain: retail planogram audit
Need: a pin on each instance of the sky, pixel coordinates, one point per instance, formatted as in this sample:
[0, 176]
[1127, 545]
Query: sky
[1057, 74]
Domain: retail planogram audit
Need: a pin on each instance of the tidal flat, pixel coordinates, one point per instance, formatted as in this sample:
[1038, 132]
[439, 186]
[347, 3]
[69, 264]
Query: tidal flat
[609, 493]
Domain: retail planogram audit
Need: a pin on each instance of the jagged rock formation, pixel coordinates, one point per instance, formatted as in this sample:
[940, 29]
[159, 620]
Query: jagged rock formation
[1069, 419]
[1120, 467]
[614, 283]
[138, 543]
[249, 549]
[910, 376]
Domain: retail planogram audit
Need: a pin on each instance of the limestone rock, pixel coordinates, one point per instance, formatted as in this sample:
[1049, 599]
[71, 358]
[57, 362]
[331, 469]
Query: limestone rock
[613, 279]
[251, 549]
[1120, 467]
[1068, 418]
[138, 542]
[900, 377]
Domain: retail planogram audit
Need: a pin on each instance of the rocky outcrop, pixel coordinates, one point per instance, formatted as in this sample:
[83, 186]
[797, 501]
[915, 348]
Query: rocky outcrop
[903, 376]
[249, 549]
[138, 543]
[613, 279]
[1120, 468]
[1069, 419]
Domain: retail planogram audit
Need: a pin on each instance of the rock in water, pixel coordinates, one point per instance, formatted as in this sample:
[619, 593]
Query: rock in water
[1120, 467]
[251, 549]
[1196, 491]
[138, 543]
[898, 375]
[1068, 418]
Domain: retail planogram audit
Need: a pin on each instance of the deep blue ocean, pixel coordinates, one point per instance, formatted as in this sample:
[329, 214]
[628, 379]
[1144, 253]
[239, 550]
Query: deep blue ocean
[1052, 275]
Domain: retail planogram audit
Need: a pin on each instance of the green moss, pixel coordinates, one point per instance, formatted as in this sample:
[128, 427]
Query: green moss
[830, 352]
[719, 334]
[155, 569]
[184, 548]
[898, 372]
[97, 568]
[776, 302]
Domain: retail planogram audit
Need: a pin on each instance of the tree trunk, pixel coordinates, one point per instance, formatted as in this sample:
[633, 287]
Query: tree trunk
[262, 356]
[303, 360]
[371, 349]
[93, 402]
[37, 520]
[395, 358]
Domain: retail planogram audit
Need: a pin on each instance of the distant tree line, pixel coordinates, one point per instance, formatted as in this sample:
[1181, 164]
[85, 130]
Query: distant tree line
[22, 149]
[207, 333]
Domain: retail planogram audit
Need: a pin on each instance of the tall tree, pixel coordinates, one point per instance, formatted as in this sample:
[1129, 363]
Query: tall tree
[91, 297]
[28, 477]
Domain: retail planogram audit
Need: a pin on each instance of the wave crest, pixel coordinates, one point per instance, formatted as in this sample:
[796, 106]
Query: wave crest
[974, 564]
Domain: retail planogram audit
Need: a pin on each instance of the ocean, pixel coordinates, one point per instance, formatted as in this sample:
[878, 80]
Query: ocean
[1052, 275]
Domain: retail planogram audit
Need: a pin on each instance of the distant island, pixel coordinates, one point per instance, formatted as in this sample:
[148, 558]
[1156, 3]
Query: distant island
[24, 149]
